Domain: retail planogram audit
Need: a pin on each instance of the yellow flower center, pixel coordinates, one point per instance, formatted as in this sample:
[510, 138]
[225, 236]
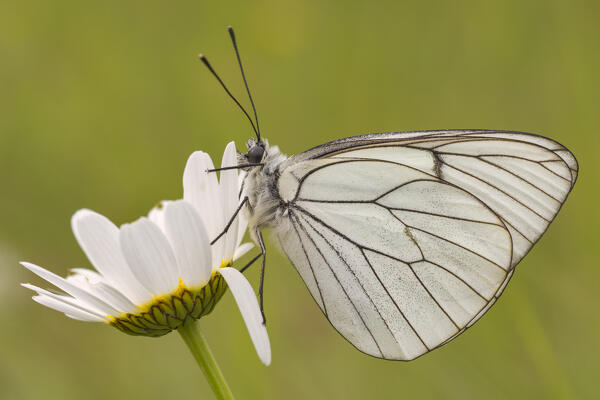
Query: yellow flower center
[166, 313]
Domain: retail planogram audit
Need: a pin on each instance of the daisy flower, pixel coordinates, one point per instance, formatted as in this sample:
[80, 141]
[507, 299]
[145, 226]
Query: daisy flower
[160, 273]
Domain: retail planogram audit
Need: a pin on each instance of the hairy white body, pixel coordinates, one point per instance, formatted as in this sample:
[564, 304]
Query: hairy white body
[264, 206]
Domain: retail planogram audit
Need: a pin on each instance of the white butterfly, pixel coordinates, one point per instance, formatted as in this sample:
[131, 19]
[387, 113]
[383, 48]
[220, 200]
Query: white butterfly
[406, 239]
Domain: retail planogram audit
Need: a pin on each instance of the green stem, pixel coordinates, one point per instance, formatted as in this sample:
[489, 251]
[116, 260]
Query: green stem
[197, 344]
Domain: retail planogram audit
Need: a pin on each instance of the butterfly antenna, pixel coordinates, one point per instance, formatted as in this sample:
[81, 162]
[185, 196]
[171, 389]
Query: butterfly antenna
[237, 53]
[212, 71]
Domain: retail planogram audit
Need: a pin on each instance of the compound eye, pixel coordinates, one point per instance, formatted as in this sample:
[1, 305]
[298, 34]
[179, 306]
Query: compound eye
[255, 154]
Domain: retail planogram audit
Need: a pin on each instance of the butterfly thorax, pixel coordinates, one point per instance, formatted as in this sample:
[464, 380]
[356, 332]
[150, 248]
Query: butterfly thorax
[260, 185]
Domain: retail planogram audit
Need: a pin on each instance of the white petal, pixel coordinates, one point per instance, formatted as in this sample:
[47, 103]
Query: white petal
[69, 310]
[157, 214]
[71, 302]
[241, 250]
[243, 221]
[149, 256]
[114, 297]
[92, 276]
[79, 280]
[242, 225]
[201, 189]
[246, 301]
[104, 292]
[229, 195]
[99, 239]
[82, 317]
[72, 289]
[190, 242]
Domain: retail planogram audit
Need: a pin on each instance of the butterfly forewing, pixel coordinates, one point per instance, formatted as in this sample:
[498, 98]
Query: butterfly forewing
[405, 240]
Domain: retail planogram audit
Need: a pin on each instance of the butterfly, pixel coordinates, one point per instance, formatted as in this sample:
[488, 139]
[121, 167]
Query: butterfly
[404, 240]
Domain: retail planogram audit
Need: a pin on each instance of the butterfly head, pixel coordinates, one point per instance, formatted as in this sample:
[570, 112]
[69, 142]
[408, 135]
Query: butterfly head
[256, 151]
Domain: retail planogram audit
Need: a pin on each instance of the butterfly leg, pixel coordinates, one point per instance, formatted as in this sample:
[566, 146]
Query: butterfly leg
[262, 273]
[237, 211]
[251, 262]
[240, 166]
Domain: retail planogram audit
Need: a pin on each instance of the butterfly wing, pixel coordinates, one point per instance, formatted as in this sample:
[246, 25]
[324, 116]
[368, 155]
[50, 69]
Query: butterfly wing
[405, 240]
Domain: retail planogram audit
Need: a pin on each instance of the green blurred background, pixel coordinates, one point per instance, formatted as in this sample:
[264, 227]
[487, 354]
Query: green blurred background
[102, 102]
